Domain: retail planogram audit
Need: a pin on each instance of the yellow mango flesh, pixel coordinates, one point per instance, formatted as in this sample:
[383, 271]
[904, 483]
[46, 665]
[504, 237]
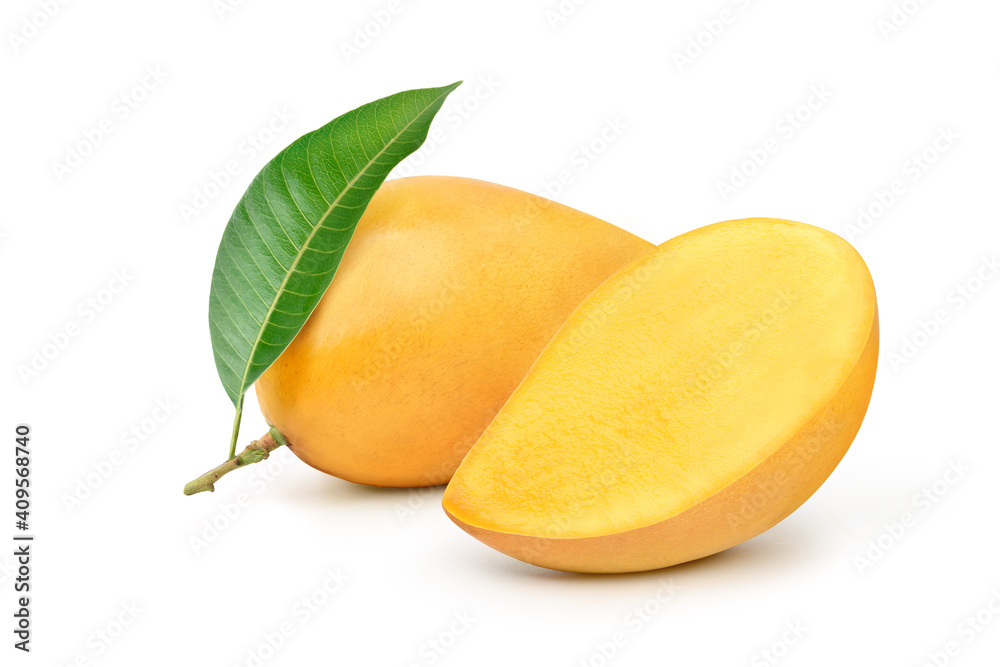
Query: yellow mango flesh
[446, 294]
[691, 402]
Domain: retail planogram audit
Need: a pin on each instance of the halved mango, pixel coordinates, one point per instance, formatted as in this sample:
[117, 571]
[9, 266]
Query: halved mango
[691, 402]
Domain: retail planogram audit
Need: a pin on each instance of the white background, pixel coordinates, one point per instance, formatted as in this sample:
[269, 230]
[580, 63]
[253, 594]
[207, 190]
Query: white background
[858, 586]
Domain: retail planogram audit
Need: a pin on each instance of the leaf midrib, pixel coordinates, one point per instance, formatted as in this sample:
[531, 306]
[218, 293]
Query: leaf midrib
[315, 229]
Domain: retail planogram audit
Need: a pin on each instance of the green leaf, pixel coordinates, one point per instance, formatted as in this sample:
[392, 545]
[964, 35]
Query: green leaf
[286, 238]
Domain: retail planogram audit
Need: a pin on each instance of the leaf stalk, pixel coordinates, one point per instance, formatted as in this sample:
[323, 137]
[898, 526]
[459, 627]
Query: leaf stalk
[236, 426]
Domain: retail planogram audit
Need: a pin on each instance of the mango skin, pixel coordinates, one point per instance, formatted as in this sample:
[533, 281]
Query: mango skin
[447, 292]
[608, 459]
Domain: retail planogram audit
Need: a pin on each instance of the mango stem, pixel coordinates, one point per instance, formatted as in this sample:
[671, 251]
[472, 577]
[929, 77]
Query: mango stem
[256, 451]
